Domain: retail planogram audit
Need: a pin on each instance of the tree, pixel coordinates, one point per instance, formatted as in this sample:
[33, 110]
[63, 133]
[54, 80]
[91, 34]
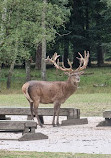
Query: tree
[53, 17]
[10, 46]
[89, 29]
[38, 57]
[3, 10]
[43, 63]
[24, 32]
[107, 26]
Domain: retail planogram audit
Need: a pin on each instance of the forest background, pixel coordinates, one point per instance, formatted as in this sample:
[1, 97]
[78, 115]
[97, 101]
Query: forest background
[31, 30]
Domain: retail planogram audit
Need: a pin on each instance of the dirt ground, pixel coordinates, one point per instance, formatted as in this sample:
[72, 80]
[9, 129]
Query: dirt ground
[77, 138]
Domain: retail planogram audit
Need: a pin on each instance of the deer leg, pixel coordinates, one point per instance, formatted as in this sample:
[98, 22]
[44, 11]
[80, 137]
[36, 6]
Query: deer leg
[57, 113]
[53, 121]
[31, 109]
[56, 106]
[36, 104]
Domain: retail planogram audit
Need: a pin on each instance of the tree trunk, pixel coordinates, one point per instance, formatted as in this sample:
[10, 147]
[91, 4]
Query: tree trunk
[0, 75]
[75, 61]
[43, 63]
[10, 74]
[100, 55]
[3, 28]
[87, 31]
[38, 57]
[66, 52]
[13, 63]
[27, 68]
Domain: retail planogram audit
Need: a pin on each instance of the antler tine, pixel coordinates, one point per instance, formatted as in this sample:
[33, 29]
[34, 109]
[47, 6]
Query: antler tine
[63, 65]
[67, 69]
[70, 64]
[83, 61]
[55, 56]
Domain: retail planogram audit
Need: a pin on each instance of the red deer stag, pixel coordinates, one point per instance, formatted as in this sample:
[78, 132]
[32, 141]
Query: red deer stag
[56, 92]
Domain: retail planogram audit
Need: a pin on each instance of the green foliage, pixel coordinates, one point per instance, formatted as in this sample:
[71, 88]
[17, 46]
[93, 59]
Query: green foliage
[21, 26]
[107, 26]
[108, 2]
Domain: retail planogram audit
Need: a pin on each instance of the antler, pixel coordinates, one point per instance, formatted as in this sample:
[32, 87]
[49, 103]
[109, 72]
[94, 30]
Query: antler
[63, 68]
[83, 62]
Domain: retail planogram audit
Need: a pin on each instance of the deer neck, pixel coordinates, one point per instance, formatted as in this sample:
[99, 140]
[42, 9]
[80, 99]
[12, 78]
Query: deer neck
[71, 84]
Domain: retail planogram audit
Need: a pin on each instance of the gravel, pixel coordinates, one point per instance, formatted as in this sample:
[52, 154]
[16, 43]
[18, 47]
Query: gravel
[76, 139]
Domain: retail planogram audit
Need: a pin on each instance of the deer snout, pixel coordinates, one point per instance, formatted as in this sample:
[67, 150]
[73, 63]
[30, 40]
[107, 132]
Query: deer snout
[78, 79]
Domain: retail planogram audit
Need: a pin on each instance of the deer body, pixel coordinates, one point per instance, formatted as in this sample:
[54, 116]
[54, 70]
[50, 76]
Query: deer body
[48, 92]
[56, 92]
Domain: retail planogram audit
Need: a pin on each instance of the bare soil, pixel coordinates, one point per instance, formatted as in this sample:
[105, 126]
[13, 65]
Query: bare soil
[77, 138]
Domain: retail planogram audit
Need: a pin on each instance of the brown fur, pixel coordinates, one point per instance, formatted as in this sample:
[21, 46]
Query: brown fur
[46, 92]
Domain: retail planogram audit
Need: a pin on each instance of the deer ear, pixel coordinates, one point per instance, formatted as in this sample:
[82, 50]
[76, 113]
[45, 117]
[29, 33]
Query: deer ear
[80, 73]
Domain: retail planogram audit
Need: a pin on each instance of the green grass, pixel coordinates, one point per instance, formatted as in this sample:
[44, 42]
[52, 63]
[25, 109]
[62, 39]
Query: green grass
[97, 76]
[14, 154]
[89, 104]
[90, 99]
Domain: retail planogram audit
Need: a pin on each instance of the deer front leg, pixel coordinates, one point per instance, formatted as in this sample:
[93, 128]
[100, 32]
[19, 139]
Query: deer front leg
[36, 104]
[56, 112]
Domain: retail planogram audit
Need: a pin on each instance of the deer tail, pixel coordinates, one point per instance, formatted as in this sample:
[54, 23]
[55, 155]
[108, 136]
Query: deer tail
[26, 93]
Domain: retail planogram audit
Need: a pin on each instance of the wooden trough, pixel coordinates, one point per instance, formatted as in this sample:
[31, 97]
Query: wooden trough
[107, 121]
[107, 116]
[73, 115]
[26, 127]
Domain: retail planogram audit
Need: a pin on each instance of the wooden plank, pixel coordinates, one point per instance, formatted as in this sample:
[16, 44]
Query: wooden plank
[23, 126]
[32, 136]
[16, 125]
[106, 122]
[3, 117]
[74, 122]
[107, 114]
[14, 111]
[41, 111]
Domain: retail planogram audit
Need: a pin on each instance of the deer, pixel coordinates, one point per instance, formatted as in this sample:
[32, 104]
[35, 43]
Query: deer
[55, 92]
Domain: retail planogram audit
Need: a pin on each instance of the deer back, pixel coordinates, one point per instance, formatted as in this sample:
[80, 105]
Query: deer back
[48, 92]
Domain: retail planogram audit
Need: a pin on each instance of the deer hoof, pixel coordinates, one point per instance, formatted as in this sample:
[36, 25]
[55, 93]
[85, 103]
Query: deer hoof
[58, 124]
[54, 125]
[41, 125]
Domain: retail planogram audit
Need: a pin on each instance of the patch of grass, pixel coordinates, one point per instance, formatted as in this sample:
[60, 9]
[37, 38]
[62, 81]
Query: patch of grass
[16, 154]
[90, 99]
[100, 77]
[89, 104]
[97, 76]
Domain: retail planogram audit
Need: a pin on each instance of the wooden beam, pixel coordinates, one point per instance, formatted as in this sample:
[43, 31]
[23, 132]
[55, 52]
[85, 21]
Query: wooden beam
[107, 114]
[74, 122]
[69, 112]
[33, 136]
[16, 125]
